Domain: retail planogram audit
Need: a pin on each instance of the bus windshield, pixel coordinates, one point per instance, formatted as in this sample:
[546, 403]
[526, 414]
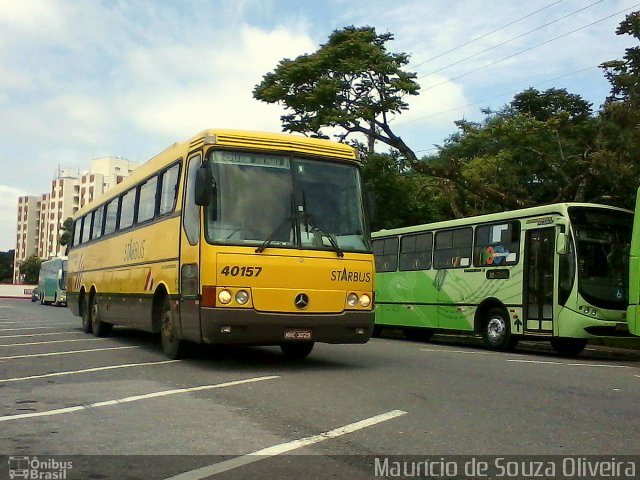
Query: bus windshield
[602, 250]
[279, 201]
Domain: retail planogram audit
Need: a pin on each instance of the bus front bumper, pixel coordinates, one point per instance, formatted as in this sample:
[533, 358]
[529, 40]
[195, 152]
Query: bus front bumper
[248, 327]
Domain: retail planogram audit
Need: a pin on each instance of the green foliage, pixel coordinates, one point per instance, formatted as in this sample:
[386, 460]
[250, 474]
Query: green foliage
[402, 197]
[6, 266]
[65, 233]
[351, 82]
[30, 268]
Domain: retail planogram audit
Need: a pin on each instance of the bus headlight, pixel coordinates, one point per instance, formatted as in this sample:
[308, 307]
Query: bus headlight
[352, 299]
[242, 297]
[365, 300]
[224, 296]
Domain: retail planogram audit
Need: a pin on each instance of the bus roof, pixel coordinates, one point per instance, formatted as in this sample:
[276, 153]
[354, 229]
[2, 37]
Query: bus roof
[238, 139]
[559, 208]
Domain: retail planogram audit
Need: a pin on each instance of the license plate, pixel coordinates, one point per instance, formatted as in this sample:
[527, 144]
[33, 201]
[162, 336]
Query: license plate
[297, 334]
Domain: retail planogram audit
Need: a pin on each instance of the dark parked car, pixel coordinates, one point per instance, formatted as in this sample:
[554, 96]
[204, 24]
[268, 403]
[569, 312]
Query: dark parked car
[35, 294]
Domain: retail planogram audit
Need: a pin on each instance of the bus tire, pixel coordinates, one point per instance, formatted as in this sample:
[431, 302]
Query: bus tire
[99, 328]
[568, 347]
[496, 331]
[173, 346]
[297, 351]
[86, 315]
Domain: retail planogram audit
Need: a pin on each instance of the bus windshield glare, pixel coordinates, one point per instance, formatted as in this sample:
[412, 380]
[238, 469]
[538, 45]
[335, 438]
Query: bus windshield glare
[279, 201]
[602, 252]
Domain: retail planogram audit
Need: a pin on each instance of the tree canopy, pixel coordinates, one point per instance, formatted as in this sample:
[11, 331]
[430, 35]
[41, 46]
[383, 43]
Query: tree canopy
[542, 147]
[351, 82]
[30, 268]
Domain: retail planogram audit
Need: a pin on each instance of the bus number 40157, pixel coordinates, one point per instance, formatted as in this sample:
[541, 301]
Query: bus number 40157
[241, 271]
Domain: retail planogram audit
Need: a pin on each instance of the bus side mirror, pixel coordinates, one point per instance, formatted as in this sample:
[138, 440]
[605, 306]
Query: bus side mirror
[60, 274]
[562, 244]
[204, 187]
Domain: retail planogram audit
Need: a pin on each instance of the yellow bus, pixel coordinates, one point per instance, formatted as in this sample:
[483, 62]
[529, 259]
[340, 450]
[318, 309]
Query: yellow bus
[231, 237]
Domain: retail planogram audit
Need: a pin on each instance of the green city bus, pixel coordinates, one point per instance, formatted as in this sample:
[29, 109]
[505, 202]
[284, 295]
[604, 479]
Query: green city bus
[52, 281]
[556, 272]
[633, 312]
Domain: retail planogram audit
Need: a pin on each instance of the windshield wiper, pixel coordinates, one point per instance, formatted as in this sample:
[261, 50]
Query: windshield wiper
[307, 217]
[272, 236]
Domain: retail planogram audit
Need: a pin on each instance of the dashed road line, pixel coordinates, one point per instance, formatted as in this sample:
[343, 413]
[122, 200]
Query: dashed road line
[135, 398]
[471, 352]
[52, 341]
[256, 456]
[70, 352]
[86, 370]
[600, 365]
[40, 334]
[31, 328]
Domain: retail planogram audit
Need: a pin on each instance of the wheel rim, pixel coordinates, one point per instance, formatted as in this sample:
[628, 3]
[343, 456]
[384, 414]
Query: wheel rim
[496, 330]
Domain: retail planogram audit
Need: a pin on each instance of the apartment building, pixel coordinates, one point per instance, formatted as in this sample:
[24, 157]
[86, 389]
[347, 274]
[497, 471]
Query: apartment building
[40, 219]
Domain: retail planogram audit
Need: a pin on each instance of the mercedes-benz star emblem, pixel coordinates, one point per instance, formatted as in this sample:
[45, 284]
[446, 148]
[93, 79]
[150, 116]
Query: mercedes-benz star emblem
[301, 301]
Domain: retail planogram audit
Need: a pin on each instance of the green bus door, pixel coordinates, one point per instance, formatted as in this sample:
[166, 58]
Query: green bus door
[539, 280]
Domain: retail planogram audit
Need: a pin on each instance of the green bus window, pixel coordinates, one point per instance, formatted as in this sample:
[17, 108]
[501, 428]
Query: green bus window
[111, 216]
[497, 245]
[169, 189]
[385, 251]
[147, 201]
[415, 252]
[453, 248]
[127, 209]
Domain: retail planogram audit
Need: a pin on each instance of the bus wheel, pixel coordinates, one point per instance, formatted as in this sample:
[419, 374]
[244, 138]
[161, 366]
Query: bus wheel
[297, 350]
[100, 328]
[496, 331]
[568, 347]
[86, 315]
[172, 345]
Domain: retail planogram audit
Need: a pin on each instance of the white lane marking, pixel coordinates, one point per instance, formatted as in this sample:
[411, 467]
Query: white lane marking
[87, 370]
[40, 334]
[601, 365]
[473, 352]
[256, 456]
[135, 398]
[52, 341]
[30, 328]
[70, 352]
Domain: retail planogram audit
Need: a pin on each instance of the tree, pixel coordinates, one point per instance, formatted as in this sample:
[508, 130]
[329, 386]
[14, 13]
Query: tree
[538, 149]
[351, 82]
[65, 232]
[6, 266]
[402, 197]
[30, 268]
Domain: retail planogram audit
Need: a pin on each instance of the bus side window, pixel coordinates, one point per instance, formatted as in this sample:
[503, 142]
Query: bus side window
[169, 189]
[453, 248]
[191, 211]
[77, 232]
[386, 254]
[416, 251]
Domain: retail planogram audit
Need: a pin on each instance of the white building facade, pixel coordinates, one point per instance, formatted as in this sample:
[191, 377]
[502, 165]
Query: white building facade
[40, 219]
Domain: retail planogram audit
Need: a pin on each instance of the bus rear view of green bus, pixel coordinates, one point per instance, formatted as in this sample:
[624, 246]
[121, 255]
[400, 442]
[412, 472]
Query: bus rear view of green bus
[633, 312]
[52, 281]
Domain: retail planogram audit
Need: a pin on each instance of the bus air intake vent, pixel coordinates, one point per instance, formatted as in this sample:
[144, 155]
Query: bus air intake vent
[318, 147]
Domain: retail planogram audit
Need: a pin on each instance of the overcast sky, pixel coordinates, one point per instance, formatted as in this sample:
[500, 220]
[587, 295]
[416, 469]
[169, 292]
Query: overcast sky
[81, 79]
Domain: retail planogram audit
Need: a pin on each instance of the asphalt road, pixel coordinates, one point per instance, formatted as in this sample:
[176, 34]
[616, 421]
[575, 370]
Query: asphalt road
[116, 408]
